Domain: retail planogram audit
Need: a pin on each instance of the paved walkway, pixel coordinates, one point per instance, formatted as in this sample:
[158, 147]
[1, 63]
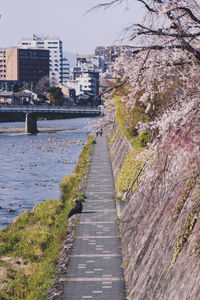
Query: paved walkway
[95, 268]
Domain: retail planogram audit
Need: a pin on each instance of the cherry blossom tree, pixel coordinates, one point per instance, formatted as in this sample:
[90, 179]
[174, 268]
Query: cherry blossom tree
[165, 59]
[167, 24]
[164, 64]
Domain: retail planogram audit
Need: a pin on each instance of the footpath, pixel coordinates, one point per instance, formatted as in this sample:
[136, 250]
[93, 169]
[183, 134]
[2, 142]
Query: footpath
[95, 269]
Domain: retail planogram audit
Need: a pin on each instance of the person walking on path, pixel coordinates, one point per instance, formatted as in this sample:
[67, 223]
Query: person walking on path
[100, 131]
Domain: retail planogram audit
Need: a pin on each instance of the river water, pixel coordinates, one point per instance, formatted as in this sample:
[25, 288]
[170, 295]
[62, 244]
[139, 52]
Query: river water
[32, 166]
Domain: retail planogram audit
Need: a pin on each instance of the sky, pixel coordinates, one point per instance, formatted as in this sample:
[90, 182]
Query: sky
[66, 19]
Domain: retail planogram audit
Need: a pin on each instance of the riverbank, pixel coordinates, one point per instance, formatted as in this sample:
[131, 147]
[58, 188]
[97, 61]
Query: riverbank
[31, 246]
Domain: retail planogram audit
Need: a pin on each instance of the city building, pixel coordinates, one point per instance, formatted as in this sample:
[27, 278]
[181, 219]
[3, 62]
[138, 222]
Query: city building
[91, 63]
[57, 64]
[65, 70]
[86, 84]
[6, 97]
[22, 66]
[85, 79]
[111, 53]
[89, 82]
[73, 85]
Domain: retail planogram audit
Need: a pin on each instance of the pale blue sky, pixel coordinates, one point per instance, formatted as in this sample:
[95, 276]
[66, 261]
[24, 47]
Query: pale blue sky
[65, 18]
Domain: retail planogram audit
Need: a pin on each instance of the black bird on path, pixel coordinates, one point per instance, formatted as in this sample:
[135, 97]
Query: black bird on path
[77, 209]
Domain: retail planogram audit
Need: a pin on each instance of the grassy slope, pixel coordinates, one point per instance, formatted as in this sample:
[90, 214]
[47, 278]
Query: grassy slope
[30, 246]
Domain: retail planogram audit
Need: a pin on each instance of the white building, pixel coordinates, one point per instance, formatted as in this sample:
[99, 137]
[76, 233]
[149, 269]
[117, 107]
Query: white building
[87, 83]
[65, 71]
[73, 84]
[56, 61]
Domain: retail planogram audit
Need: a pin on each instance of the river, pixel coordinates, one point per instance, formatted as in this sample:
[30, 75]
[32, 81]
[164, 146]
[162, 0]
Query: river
[32, 166]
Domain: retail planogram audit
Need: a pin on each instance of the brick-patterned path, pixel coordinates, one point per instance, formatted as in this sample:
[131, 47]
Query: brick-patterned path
[95, 270]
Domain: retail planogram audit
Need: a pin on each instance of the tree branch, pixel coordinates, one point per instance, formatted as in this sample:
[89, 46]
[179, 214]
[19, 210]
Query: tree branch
[189, 12]
[118, 86]
[147, 6]
[105, 5]
[160, 32]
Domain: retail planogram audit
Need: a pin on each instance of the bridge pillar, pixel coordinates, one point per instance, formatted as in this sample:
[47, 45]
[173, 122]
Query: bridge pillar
[31, 124]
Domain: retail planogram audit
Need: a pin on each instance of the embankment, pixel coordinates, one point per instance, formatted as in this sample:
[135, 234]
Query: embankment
[160, 224]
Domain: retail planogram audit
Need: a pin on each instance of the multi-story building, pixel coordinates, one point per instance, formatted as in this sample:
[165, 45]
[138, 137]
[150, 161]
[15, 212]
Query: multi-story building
[87, 80]
[91, 62]
[23, 65]
[111, 53]
[89, 83]
[73, 85]
[65, 70]
[54, 45]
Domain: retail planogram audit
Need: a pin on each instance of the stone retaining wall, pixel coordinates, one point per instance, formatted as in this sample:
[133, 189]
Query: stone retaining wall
[119, 149]
[161, 252]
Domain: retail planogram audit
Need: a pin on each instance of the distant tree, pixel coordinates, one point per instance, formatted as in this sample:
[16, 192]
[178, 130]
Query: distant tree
[55, 95]
[42, 85]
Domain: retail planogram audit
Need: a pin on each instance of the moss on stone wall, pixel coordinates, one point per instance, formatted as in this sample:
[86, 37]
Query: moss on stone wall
[189, 224]
[129, 170]
[191, 183]
[113, 138]
[128, 118]
[194, 215]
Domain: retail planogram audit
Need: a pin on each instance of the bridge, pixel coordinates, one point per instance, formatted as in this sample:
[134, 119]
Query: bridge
[31, 113]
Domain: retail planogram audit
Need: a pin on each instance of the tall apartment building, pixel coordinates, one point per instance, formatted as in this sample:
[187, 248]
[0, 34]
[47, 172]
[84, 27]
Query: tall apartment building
[56, 61]
[23, 65]
[65, 70]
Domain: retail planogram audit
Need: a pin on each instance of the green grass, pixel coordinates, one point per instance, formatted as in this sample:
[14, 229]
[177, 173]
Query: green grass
[30, 247]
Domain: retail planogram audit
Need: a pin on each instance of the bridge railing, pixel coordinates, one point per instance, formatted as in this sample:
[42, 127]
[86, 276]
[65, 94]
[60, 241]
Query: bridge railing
[37, 108]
